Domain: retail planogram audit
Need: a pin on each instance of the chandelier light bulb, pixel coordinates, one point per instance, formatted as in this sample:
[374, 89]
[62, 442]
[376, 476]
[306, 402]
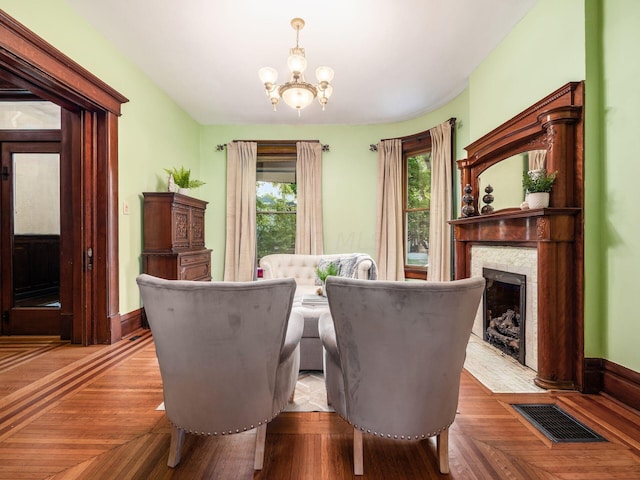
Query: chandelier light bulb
[268, 75]
[324, 74]
[297, 93]
[297, 63]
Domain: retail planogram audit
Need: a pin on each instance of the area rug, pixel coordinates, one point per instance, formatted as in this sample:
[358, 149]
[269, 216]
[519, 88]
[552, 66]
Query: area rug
[311, 394]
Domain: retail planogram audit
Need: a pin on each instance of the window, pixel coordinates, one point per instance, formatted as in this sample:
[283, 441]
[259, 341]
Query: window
[29, 115]
[416, 156]
[276, 202]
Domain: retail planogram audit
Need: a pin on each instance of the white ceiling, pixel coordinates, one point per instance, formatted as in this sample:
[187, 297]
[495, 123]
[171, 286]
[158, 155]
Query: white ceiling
[393, 60]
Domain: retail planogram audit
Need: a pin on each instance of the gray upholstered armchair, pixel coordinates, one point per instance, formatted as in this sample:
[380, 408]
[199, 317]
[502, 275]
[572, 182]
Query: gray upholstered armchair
[228, 354]
[394, 352]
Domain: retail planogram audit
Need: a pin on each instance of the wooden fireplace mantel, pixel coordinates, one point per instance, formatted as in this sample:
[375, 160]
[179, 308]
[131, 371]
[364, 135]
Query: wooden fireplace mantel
[554, 124]
[552, 232]
[517, 226]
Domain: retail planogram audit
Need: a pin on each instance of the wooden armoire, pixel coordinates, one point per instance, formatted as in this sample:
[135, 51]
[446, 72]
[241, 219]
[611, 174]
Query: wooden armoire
[174, 246]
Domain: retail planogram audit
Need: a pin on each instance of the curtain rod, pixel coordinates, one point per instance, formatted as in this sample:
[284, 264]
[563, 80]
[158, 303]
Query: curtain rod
[275, 143]
[418, 136]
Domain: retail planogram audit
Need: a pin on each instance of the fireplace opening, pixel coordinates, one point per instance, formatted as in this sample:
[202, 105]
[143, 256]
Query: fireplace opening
[504, 311]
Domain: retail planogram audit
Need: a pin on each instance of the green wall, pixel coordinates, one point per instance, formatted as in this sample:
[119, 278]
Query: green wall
[153, 131]
[349, 178]
[542, 53]
[620, 172]
[557, 42]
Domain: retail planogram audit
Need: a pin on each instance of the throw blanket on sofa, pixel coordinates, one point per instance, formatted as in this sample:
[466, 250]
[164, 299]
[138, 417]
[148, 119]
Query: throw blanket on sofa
[348, 266]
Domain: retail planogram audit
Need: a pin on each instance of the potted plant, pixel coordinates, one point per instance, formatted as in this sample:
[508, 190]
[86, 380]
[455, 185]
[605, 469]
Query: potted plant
[181, 179]
[537, 185]
[323, 273]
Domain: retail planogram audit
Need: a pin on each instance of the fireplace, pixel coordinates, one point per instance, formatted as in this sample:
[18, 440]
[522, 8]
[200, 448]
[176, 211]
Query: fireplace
[555, 300]
[504, 301]
[557, 307]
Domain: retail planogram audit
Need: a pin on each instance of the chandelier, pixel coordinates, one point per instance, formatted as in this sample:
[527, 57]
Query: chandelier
[297, 93]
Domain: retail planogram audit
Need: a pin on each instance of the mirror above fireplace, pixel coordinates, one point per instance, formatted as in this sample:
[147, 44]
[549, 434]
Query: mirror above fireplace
[552, 125]
[505, 179]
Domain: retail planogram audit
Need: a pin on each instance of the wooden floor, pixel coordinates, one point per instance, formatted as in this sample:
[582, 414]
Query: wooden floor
[69, 412]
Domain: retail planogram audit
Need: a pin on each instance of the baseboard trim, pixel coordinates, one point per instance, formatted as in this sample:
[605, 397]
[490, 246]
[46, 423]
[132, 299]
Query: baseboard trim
[621, 383]
[592, 375]
[130, 322]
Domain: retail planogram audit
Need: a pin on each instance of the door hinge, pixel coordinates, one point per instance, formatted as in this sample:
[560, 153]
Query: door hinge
[5, 316]
[5, 173]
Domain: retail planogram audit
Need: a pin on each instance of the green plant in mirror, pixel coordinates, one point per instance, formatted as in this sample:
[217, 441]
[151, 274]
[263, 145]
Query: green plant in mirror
[330, 270]
[182, 177]
[538, 181]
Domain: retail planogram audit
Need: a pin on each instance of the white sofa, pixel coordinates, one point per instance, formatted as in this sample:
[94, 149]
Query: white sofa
[302, 268]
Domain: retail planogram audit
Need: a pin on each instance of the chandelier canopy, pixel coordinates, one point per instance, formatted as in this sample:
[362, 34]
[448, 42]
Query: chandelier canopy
[297, 93]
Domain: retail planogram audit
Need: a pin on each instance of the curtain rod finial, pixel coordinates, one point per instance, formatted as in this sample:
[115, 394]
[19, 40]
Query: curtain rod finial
[373, 147]
[220, 147]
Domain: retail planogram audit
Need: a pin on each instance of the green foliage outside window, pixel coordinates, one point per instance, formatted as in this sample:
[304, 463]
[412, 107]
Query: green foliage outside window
[419, 181]
[417, 208]
[275, 217]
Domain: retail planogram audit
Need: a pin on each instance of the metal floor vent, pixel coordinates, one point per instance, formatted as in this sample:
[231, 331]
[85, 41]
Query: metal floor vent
[557, 424]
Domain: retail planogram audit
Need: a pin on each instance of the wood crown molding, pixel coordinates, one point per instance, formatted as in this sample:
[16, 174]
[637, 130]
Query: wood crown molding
[34, 62]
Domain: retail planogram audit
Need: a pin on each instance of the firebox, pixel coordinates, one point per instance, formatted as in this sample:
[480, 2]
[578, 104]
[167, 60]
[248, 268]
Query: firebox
[504, 303]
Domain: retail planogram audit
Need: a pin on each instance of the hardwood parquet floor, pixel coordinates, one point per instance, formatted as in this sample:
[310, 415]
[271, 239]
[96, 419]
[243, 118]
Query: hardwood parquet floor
[69, 412]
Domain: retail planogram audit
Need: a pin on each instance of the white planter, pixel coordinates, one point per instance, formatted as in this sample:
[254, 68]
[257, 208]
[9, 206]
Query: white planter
[184, 191]
[538, 200]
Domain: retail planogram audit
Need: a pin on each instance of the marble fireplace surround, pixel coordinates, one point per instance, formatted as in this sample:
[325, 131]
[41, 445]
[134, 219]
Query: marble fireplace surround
[523, 261]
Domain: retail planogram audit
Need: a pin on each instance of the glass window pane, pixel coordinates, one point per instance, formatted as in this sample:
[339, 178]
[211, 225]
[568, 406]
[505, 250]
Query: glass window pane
[419, 181]
[276, 204]
[36, 229]
[417, 238]
[29, 115]
[276, 169]
[276, 196]
[276, 233]
[36, 190]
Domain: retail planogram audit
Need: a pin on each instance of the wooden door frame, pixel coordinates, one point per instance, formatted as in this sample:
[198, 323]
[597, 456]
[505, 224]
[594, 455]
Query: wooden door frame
[90, 141]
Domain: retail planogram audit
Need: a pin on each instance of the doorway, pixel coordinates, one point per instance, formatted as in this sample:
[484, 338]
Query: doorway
[32, 231]
[89, 140]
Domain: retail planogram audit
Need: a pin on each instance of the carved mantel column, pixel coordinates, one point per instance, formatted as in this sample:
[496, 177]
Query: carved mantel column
[559, 125]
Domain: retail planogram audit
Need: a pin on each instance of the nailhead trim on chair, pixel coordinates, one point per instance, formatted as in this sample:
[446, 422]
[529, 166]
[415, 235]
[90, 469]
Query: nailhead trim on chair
[402, 437]
[230, 432]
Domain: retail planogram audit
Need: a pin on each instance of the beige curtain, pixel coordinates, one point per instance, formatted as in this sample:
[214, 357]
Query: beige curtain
[309, 211]
[240, 255]
[441, 204]
[537, 159]
[389, 224]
